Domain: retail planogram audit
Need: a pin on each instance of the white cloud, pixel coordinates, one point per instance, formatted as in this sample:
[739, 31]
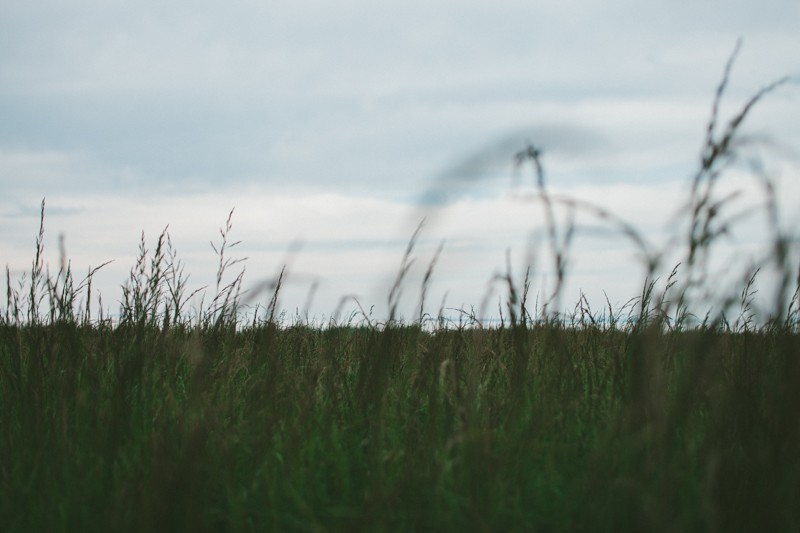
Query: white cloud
[323, 121]
[353, 245]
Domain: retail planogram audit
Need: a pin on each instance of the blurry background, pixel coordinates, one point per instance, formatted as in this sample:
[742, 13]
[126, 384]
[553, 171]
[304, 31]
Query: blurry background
[338, 125]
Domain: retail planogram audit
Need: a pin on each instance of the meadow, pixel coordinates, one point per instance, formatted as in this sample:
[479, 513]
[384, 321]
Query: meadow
[649, 417]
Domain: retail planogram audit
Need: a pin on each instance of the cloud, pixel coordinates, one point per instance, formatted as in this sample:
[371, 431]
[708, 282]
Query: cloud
[353, 245]
[312, 93]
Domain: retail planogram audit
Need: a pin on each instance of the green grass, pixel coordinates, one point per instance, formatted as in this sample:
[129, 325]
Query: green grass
[636, 419]
[347, 428]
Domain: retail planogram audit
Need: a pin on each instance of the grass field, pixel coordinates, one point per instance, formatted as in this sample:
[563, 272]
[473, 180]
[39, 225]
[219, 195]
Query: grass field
[647, 418]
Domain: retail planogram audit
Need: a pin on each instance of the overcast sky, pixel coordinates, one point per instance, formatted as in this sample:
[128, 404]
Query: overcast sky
[328, 123]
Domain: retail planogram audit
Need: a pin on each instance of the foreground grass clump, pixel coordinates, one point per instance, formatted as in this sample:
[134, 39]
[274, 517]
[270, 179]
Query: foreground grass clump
[348, 428]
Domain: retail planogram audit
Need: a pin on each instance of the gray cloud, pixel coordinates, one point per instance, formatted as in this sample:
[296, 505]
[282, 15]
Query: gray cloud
[370, 97]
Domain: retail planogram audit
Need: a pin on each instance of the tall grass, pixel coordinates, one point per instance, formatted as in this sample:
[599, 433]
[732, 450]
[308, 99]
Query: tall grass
[637, 418]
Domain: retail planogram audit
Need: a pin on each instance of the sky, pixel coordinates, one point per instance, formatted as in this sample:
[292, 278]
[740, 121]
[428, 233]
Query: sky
[333, 128]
